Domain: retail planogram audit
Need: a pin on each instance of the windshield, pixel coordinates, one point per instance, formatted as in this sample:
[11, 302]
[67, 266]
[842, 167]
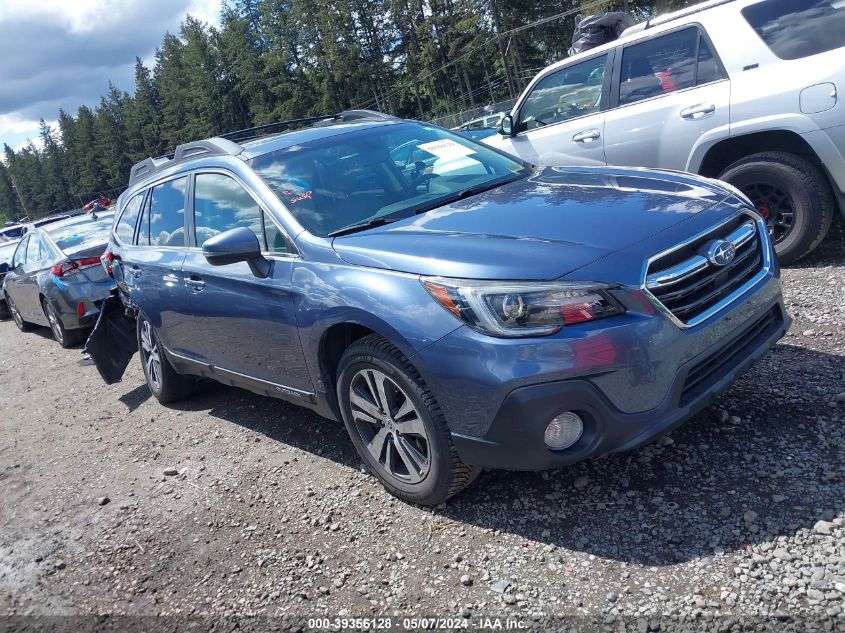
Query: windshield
[379, 174]
[82, 232]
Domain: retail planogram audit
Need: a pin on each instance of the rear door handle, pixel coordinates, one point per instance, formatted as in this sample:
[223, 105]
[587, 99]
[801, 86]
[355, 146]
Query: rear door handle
[698, 111]
[195, 282]
[587, 136]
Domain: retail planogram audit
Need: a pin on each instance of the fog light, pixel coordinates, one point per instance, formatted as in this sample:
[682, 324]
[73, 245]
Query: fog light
[563, 431]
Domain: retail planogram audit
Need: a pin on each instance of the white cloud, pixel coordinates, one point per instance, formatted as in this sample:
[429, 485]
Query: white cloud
[63, 53]
[15, 124]
[90, 16]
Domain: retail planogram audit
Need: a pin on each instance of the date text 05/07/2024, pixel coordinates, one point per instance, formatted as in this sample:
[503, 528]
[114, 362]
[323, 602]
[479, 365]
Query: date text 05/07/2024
[416, 624]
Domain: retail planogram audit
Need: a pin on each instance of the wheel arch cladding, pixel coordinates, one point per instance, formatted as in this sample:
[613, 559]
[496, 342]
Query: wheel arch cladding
[728, 151]
[336, 305]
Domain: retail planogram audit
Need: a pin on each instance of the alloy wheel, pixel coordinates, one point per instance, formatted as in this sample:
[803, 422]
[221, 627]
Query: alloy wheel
[55, 325]
[390, 426]
[151, 356]
[775, 205]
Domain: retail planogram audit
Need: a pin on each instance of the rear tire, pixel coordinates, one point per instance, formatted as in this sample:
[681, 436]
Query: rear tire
[23, 326]
[790, 190]
[164, 382]
[396, 424]
[65, 338]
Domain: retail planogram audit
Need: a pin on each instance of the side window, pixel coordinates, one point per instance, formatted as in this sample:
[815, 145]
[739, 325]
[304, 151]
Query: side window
[659, 66]
[566, 94]
[793, 29]
[19, 257]
[33, 250]
[167, 213]
[125, 228]
[221, 204]
[276, 240]
[143, 238]
[708, 66]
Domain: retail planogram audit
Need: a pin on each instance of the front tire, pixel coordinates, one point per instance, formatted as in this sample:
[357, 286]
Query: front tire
[164, 382]
[397, 426]
[791, 194]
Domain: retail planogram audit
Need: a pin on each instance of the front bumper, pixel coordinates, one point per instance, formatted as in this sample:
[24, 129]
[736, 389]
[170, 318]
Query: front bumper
[631, 378]
[515, 438]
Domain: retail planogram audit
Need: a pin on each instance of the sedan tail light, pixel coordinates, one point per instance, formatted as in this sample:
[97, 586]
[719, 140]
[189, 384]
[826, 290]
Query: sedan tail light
[106, 259]
[66, 269]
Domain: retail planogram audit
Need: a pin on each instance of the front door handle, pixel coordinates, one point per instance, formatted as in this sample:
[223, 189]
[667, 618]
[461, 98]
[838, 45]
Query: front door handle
[698, 111]
[195, 282]
[587, 136]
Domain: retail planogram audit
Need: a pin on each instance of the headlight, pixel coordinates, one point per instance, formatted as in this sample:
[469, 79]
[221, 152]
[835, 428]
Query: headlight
[510, 309]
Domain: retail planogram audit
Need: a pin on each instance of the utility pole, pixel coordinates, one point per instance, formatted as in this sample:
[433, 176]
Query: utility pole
[20, 197]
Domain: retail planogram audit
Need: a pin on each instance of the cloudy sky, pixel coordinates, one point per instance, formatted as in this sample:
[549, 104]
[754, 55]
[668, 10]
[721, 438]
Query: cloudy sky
[62, 53]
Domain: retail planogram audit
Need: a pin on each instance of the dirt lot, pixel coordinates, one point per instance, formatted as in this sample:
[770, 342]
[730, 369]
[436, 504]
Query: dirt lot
[735, 520]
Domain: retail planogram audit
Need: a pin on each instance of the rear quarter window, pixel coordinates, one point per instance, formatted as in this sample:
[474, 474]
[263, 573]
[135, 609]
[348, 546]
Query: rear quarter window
[125, 229]
[793, 29]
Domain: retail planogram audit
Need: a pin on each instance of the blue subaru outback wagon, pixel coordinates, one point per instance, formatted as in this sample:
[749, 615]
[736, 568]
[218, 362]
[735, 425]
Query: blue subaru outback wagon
[464, 311]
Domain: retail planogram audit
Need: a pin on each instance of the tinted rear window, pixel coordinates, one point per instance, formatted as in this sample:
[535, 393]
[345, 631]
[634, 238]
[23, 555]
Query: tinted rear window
[793, 29]
[81, 233]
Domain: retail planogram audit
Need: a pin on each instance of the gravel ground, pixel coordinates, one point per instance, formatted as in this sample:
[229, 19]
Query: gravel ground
[231, 505]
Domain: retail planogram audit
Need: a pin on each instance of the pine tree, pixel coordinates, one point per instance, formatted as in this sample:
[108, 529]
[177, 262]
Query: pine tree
[54, 187]
[143, 135]
[110, 138]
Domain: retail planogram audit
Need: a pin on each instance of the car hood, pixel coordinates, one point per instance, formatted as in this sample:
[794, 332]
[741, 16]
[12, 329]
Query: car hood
[540, 227]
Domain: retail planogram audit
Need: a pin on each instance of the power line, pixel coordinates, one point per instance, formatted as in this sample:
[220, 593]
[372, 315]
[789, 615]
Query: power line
[484, 44]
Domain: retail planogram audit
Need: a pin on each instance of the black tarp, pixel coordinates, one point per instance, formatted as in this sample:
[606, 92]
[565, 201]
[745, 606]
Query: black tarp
[113, 341]
[595, 30]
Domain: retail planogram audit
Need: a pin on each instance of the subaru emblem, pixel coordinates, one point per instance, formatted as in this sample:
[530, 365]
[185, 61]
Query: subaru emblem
[721, 252]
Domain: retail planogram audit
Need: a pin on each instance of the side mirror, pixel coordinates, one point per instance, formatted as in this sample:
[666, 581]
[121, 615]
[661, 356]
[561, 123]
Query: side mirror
[237, 245]
[4, 268]
[506, 126]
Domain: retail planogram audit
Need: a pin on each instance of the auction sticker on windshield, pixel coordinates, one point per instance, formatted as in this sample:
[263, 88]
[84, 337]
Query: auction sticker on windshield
[446, 148]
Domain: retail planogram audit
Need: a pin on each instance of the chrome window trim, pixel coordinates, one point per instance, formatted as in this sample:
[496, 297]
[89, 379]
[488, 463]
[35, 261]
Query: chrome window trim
[765, 271]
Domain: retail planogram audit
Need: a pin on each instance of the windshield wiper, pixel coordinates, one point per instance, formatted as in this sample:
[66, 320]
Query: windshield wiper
[469, 192]
[361, 226]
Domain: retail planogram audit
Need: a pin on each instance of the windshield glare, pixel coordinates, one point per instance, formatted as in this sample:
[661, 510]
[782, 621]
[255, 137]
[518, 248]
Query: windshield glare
[388, 172]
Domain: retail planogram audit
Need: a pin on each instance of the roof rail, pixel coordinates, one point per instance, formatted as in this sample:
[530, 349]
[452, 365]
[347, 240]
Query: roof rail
[316, 121]
[270, 128]
[675, 15]
[215, 146]
[229, 144]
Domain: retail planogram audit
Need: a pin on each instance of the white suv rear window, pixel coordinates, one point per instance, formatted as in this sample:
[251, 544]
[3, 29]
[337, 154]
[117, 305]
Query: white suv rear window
[793, 29]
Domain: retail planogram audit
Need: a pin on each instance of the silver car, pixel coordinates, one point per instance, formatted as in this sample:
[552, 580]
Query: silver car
[56, 278]
[747, 91]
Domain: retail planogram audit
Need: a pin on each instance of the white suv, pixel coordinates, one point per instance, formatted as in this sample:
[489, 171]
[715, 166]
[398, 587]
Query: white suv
[742, 90]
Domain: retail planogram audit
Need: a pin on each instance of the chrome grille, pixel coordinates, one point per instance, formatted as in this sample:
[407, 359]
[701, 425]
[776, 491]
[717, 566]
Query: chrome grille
[688, 283]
